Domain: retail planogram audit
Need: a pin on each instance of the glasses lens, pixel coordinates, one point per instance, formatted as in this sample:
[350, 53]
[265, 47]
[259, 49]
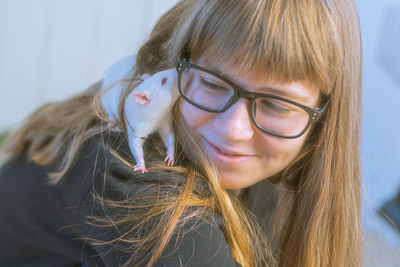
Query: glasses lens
[280, 117]
[205, 89]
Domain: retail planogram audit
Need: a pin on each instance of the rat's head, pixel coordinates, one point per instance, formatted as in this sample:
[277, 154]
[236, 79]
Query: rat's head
[162, 83]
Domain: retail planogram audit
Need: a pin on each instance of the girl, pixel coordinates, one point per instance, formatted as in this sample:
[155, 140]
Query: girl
[270, 91]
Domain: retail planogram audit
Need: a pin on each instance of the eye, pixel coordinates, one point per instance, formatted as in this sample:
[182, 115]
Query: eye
[274, 106]
[210, 85]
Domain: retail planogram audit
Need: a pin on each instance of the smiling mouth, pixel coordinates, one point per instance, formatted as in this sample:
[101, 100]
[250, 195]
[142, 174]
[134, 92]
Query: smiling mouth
[226, 153]
[227, 158]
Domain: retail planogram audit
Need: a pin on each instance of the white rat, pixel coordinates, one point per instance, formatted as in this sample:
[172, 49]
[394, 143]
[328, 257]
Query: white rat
[147, 108]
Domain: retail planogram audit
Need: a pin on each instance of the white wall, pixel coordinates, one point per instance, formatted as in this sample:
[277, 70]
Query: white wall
[380, 24]
[51, 49]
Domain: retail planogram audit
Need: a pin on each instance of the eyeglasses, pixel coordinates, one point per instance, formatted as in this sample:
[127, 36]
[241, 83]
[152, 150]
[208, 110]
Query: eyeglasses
[271, 114]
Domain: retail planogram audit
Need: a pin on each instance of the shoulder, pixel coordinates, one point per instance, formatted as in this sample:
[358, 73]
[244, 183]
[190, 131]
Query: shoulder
[198, 241]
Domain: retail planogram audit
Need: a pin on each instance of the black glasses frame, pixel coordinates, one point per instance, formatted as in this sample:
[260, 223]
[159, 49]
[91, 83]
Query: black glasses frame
[313, 114]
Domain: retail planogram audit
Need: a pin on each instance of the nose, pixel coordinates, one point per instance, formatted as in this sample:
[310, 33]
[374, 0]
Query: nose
[235, 123]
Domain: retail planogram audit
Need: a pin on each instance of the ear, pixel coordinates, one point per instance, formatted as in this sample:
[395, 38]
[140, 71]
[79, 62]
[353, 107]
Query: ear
[141, 98]
[145, 76]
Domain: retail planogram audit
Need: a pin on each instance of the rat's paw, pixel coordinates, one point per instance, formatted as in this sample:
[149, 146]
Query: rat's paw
[140, 168]
[169, 160]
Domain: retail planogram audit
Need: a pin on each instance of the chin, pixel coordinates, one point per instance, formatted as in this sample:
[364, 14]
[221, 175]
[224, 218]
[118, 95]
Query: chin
[233, 183]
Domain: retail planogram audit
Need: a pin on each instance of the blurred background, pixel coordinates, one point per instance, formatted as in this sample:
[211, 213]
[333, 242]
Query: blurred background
[52, 49]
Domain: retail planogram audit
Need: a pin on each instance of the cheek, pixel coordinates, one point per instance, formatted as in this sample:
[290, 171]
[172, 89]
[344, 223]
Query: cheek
[193, 116]
[281, 150]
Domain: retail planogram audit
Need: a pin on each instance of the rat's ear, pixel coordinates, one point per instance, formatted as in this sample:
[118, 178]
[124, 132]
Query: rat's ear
[141, 98]
[145, 76]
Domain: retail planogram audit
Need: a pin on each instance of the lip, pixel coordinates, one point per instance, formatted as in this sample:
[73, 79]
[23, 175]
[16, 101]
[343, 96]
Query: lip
[236, 160]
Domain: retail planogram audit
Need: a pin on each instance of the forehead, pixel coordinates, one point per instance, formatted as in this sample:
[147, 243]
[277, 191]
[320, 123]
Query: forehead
[259, 79]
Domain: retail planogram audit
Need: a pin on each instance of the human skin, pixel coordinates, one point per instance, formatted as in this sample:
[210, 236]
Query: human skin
[256, 155]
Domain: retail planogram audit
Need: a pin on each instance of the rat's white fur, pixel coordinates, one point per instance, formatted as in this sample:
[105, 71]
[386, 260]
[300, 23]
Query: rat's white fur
[113, 85]
[147, 107]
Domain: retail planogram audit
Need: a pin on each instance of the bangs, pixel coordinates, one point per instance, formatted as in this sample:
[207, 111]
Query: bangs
[284, 39]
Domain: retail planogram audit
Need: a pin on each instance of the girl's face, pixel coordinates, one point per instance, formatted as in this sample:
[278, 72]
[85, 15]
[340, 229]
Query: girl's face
[242, 153]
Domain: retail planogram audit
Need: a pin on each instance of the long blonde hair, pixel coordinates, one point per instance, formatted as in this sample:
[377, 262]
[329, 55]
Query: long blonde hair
[307, 40]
